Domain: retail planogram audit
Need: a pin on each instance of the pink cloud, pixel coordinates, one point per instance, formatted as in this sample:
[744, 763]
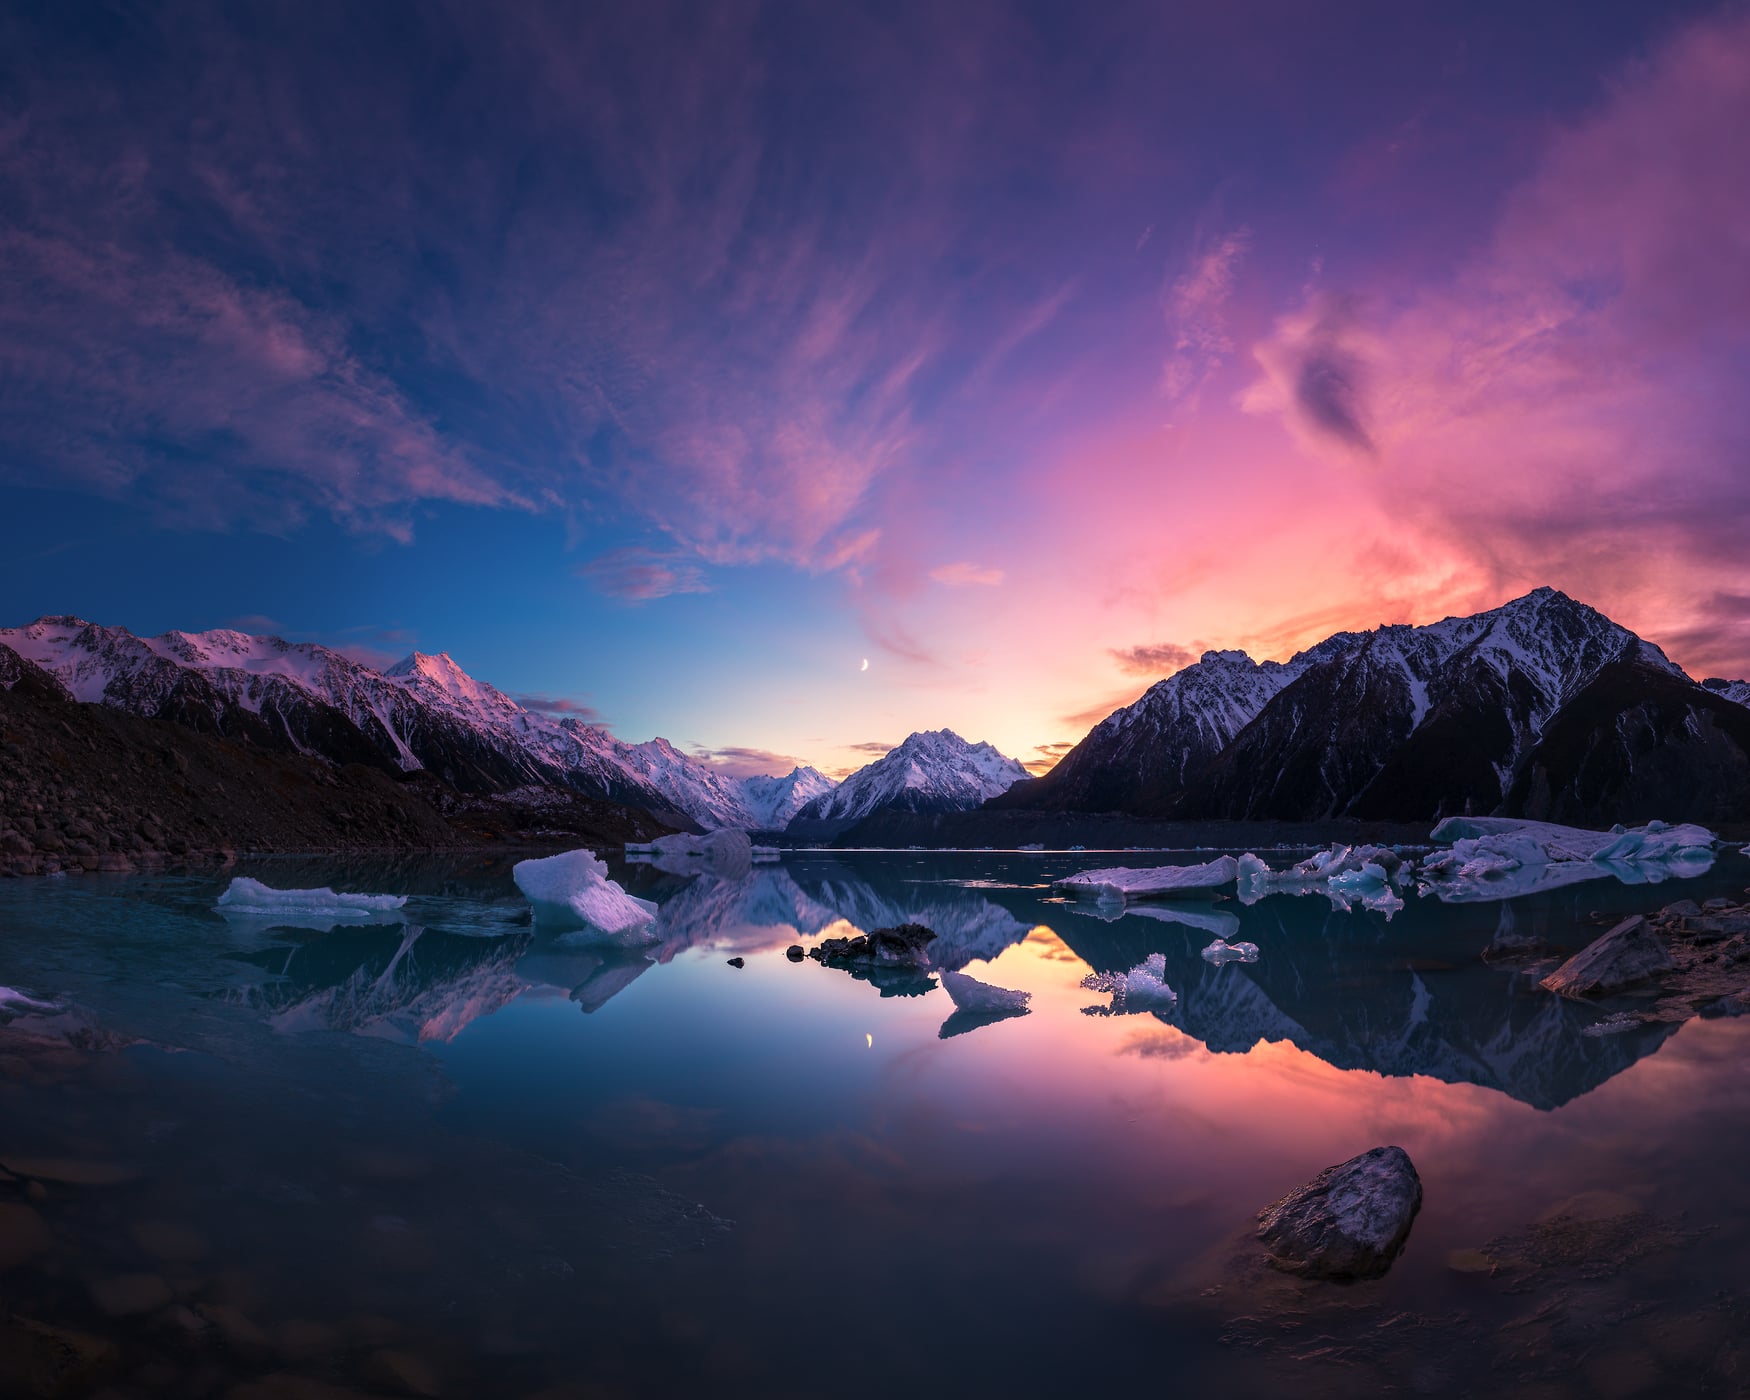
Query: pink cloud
[1569, 408]
[966, 575]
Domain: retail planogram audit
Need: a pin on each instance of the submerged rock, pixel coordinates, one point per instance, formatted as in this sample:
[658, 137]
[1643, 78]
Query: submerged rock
[1350, 1221]
[1630, 953]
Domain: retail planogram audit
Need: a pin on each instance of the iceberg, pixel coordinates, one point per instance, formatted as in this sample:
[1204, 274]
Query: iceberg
[726, 853]
[17, 1003]
[252, 899]
[1501, 858]
[1143, 988]
[982, 999]
[573, 891]
[1221, 951]
[1120, 882]
[1347, 875]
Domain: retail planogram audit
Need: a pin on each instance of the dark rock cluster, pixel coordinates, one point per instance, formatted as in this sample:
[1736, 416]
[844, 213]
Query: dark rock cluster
[903, 946]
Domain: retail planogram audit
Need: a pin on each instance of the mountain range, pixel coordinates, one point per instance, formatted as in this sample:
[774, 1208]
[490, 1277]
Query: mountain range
[1542, 707]
[424, 713]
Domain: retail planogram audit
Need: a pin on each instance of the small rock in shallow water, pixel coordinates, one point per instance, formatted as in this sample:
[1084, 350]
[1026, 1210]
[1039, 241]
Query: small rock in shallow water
[1350, 1221]
[738, 962]
[794, 952]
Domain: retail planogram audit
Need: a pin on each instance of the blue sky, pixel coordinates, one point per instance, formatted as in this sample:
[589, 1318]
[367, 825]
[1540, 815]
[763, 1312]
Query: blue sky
[671, 360]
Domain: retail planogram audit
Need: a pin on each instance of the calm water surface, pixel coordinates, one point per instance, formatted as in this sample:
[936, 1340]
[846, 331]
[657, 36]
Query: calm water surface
[449, 1153]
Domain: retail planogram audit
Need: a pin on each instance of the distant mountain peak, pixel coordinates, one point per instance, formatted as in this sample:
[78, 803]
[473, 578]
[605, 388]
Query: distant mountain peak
[931, 770]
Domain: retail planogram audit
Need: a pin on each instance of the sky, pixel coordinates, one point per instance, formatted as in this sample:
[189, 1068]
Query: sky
[665, 363]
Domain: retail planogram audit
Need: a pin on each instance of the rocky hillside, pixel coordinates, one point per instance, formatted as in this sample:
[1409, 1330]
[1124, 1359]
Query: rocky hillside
[423, 714]
[92, 787]
[1504, 711]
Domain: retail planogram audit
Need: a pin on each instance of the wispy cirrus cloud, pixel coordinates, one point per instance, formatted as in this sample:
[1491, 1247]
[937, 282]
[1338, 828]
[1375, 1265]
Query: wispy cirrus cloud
[967, 575]
[642, 576]
[560, 705]
[740, 762]
[1195, 306]
[1156, 659]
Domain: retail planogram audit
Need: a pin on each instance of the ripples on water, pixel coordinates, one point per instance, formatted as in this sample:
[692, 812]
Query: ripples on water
[444, 1151]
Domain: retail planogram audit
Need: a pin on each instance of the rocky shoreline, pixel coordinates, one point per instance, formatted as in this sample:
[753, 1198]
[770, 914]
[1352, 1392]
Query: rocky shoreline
[1679, 962]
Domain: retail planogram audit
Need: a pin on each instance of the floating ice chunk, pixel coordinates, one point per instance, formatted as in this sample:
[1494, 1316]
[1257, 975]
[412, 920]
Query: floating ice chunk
[1120, 882]
[1364, 877]
[1221, 951]
[1251, 867]
[252, 899]
[1501, 858]
[1143, 988]
[982, 999]
[572, 891]
[1658, 842]
[18, 1003]
[725, 853]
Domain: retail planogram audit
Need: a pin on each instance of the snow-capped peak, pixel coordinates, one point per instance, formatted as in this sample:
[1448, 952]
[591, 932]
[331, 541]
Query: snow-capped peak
[932, 771]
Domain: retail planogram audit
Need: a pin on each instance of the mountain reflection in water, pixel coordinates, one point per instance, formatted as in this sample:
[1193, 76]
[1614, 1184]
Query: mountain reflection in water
[536, 1163]
[1403, 995]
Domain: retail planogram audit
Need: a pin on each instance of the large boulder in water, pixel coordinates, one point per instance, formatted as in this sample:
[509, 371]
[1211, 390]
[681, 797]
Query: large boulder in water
[1350, 1221]
[1630, 953]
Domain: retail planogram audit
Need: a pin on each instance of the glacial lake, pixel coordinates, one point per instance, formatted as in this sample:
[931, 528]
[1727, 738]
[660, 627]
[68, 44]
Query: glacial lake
[451, 1155]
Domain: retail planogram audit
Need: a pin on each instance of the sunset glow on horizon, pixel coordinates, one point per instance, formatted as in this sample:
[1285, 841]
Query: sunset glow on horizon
[782, 380]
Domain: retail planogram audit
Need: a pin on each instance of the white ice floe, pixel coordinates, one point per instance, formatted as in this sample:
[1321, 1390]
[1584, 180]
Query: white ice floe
[1348, 876]
[1501, 858]
[1143, 988]
[1120, 882]
[251, 899]
[982, 999]
[19, 1003]
[1221, 951]
[573, 891]
[726, 853]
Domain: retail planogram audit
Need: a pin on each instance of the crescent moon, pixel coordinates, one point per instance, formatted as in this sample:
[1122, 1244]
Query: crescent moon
[865, 665]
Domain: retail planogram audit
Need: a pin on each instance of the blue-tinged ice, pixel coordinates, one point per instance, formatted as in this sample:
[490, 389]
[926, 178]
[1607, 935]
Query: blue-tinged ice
[573, 891]
[251, 899]
[1143, 988]
[1221, 951]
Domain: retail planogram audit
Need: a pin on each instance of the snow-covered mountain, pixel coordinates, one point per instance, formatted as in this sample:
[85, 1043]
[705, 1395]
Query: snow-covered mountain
[772, 802]
[425, 712]
[934, 770]
[1400, 722]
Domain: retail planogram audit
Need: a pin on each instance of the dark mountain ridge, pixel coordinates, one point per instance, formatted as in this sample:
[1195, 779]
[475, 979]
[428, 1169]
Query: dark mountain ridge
[1509, 711]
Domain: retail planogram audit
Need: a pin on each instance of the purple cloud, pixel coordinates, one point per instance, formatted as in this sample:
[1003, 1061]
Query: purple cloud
[560, 705]
[1158, 659]
[641, 576]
